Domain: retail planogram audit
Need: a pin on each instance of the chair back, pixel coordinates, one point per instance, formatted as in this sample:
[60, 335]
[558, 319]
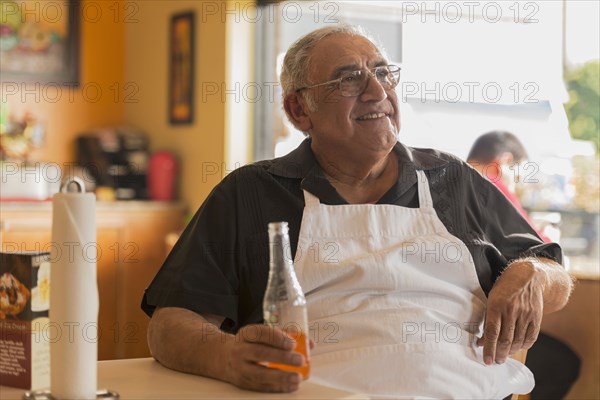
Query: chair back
[520, 356]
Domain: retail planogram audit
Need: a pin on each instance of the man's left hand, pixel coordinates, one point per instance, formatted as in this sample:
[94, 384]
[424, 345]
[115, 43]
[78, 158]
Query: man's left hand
[514, 311]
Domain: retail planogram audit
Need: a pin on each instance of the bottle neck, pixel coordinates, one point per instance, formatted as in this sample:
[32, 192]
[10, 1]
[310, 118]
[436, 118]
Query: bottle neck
[280, 255]
[282, 277]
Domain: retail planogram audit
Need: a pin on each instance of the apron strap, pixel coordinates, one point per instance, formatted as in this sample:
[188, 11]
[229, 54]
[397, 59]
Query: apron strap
[310, 199]
[425, 200]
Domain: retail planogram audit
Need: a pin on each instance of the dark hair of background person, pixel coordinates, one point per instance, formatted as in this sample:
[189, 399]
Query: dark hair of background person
[489, 146]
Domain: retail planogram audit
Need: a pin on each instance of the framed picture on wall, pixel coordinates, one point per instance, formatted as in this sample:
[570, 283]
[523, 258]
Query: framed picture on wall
[39, 42]
[181, 69]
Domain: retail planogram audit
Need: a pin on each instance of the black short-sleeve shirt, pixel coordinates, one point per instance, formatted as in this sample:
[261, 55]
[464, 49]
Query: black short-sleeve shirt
[220, 264]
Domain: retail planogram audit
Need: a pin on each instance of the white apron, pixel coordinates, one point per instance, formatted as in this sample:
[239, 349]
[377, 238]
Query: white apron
[394, 304]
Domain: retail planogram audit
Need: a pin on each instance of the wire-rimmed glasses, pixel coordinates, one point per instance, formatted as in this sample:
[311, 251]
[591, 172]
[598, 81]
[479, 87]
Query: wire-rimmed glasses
[354, 83]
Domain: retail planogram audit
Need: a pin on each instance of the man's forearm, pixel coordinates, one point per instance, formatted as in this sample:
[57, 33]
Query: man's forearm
[184, 341]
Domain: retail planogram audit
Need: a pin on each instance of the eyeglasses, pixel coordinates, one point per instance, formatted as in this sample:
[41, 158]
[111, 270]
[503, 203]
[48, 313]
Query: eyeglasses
[355, 82]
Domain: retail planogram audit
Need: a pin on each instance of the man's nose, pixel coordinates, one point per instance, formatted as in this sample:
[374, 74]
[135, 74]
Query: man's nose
[374, 91]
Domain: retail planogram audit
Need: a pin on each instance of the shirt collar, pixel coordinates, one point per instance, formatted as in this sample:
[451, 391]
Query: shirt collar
[301, 162]
[296, 164]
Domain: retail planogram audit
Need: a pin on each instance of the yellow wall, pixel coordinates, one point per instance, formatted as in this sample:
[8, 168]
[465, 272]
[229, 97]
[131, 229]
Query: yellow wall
[101, 66]
[200, 146]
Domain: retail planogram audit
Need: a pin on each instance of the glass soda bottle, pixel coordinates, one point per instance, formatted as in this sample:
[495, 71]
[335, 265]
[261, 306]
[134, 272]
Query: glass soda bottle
[284, 304]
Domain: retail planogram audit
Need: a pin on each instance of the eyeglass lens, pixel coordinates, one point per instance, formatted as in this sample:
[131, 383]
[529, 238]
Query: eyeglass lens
[355, 82]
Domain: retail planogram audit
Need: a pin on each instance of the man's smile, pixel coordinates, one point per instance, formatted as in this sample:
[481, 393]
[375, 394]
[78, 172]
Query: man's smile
[374, 115]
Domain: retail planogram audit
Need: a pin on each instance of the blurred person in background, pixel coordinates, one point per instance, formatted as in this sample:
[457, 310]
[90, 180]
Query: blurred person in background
[554, 365]
[494, 155]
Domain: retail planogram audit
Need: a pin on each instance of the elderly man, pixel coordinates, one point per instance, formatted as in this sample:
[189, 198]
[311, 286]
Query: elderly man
[409, 259]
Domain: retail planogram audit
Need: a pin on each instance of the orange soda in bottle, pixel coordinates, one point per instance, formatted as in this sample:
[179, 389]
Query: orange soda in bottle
[284, 304]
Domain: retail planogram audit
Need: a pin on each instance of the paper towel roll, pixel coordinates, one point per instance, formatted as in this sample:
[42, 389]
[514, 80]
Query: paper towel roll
[73, 297]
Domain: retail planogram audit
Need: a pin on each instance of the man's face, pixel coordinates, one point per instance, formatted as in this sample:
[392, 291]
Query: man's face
[368, 122]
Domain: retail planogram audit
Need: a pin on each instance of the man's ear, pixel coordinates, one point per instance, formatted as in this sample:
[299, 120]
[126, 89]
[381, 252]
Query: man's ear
[296, 109]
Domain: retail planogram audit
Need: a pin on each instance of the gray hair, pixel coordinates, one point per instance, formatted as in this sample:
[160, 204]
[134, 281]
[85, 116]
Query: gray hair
[297, 61]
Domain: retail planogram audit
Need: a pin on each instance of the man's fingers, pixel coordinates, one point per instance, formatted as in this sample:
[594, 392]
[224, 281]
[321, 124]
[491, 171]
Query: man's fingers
[505, 340]
[250, 350]
[260, 353]
[260, 378]
[519, 336]
[268, 335]
[491, 331]
[531, 335]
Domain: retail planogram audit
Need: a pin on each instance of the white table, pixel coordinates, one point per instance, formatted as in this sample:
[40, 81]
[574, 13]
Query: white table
[144, 378]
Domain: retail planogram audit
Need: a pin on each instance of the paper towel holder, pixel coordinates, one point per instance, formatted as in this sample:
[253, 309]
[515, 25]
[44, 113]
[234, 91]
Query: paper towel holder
[77, 181]
[45, 394]
[101, 394]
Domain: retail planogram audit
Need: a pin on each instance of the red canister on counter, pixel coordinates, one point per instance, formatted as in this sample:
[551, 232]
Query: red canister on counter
[162, 171]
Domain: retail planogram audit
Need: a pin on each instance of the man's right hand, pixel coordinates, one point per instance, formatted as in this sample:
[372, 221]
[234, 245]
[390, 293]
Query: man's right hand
[254, 346]
[185, 341]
